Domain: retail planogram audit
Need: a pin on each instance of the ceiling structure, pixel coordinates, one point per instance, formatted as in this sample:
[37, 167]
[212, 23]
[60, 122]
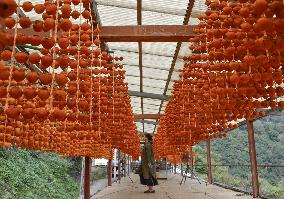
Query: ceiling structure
[151, 67]
[155, 68]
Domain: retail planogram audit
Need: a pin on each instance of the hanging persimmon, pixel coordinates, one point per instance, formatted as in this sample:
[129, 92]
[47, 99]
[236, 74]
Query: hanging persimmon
[25, 22]
[32, 77]
[27, 6]
[65, 24]
[7, 8]
[34, 58]
[66, 10]
[21, 57]
[10, 22]
[18, 75]
[38, 25]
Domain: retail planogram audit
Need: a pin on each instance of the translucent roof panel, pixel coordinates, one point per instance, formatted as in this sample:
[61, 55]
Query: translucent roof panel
[157, 57]
[149, 128]
[147, 72]
[153, 90]
[154, 18]
[159, 48]
[135, 80]
[139, 126]
[175, 7]
[117, 16]
[152, 101]
[151, 110]
[155, 60]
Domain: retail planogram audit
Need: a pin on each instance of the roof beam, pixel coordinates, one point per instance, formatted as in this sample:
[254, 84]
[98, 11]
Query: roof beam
[148, 95]
[147, 116]
[140, 33]
[147, 122]
[147, 33]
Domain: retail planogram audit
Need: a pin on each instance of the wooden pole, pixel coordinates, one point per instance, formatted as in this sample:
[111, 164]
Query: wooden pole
[115, 163]
[191, 163]
[109, 172]
[210, 178]
[87, 178]
[124, 165]
[181, 167]
[119, 165]
[253, 160]
[128, 162]
[175, 169]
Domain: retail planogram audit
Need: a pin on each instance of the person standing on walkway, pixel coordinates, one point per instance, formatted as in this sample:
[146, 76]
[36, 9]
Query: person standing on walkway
[148, 164]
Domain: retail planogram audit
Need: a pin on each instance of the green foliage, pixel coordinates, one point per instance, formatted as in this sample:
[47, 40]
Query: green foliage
[200, 160]
[26, 174]
[99, 173]
[233, 150]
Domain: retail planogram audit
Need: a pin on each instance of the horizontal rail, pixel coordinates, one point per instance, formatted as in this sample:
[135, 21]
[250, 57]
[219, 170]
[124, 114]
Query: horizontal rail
[244, 165]
[238, 190]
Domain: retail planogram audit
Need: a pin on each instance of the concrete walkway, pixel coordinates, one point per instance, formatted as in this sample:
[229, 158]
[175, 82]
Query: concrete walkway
[167, 189]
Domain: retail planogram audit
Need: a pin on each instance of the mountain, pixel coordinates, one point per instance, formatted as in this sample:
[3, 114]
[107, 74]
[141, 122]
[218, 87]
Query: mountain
[233, 150]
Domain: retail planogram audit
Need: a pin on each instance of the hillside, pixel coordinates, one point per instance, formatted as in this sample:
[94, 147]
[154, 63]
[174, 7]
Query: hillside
[269, 136]
[26, 174]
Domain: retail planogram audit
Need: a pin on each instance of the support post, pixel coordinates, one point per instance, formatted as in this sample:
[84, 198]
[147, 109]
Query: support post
[109, 172]
[128, 165]
[191, 164]
[175, 169]
[119, 166]
[181, 167]
[87, 179]
[210, 178]
[253, 160]
[115, 163]
[124, 165]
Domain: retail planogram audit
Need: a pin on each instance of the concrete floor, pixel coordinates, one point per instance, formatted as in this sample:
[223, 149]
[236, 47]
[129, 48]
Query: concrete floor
[167, 189]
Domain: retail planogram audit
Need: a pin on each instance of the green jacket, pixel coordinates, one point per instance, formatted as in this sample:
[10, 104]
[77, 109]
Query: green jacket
[146, 158]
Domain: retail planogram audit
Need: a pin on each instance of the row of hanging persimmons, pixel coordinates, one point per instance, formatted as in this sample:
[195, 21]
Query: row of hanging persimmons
[234, 72]
[66, 95]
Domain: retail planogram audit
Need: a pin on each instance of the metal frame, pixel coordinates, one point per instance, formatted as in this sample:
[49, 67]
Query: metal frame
[153, 105]
[152, 54]
[165, 69]
[148, 95]
[145, 77]
[148, 86]
[140, 49]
